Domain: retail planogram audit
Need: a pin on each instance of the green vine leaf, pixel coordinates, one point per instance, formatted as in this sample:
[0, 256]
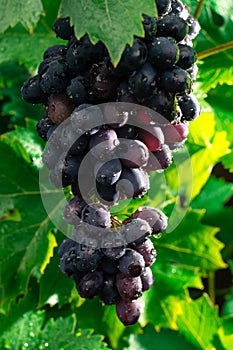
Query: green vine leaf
[25, 12]
[118, 21]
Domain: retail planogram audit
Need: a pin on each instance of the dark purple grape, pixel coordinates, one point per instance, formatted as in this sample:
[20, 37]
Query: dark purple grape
[189, 106]
[136, 231]
[54, 77]
[109, 266]
[55, 51]
[73, 209]
[31, 91]
[194, 27]
[172, 26]
[131, 264]
[187, 57]
[179, 9]
[107, 194]
[128, 312]
[150, 27]
[82, 54]
[76, 90]
[113, 245]
[143, 82]
[59, 107]
[63, 28]
[43, 127]
[163, 6]
[133, 153]
[175, 80]
[97, 215]
[147, 279]
[161, 159]
[163, 103]
[124, 94]
[133, 57]
[163, 53]
[154, 217]
[109, 294]
[80, 145]
[133, 183]
[153, 138]
[103, 143]
[87, 258]
[67, 264]
[103, 83]
[66, 246]
[147, 250]
[65, 171]
[127, 132]
[109, 172]
[90, 285]
[129, 288]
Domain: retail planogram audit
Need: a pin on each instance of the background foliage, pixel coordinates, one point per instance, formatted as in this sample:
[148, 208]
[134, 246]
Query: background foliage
[191, 303]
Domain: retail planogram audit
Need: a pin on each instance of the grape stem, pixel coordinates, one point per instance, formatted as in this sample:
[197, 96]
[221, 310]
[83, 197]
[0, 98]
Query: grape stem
[215, 50]
[198, 9]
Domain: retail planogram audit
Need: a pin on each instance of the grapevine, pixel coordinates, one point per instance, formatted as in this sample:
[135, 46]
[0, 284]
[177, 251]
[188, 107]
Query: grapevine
[89, 113]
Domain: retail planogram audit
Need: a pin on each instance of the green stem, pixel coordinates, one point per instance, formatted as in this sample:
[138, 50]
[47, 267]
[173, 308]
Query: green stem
[211, 286]
[198, 9]
[214, 50]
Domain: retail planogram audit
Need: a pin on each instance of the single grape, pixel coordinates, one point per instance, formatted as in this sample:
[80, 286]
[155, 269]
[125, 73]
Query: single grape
[55, 51]
[131, 264]
[31, 91]
[160, 159]
[103, 143]
[189, 106]
[73, 210]
[150, 27]
[128, 311]
[175, 80]
[109, 266]
[163, 103]
[129, 288]
[136, 231]
[113, 245]
[86, 118]
[153, 138]
[127, 132]
[172, 26]
[66, 246]
[147, 279]
[63, 28]
[163, 6]
[147, 250]
[43, 127]
[163, 53]
[187, 57]
[80, 146]
[87, 258]
[133, 153]
[77, 91]
[59, 107]
[107, 194]
[175, 133]
[90, 285]
[143, 82]
[133, 183]
[97, 215]
[124, 94]
[54, 77]
[109, 294]
[109, 172]
[133, 57]
[67, 264]
[154, 217]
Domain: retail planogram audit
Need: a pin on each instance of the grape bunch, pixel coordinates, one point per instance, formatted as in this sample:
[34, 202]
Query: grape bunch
[106, 128]
[117, 267]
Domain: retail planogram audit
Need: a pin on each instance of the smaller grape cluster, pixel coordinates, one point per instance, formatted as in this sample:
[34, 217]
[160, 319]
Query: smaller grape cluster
[111, 263]
[108, 150]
